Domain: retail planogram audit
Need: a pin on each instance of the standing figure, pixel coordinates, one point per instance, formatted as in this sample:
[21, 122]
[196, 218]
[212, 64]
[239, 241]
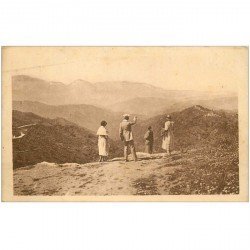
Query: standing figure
[103, 141]
[149, 137]
[126, 136]
[167, 135]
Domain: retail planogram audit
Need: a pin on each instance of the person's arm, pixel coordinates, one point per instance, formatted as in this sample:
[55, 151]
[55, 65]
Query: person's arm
[134, 121]
[167, 124]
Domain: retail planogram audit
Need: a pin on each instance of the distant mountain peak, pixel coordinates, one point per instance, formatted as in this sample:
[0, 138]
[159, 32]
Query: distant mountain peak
[25, 78]
[80, 81]
[34, 82]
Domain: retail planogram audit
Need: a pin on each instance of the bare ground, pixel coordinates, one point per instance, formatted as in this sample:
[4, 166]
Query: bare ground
[150, 175]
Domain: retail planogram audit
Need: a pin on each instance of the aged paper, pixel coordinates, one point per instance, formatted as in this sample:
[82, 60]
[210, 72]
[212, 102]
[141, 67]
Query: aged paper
[182, 111]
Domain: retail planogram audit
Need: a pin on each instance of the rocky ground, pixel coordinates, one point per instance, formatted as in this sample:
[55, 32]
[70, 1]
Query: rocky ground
[153, 174]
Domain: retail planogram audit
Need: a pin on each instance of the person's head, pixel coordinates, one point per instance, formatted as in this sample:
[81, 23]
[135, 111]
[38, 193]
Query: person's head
[126, 117]
[149, 128]
[103, 123]
[168, 117]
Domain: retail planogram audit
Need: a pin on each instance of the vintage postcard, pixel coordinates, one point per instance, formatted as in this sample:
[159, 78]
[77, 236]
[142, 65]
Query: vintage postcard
[125, 124]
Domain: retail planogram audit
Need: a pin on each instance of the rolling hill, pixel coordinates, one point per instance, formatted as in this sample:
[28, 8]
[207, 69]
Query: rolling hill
[52, 140]
[147, 106]
[194, 127]
[152, 106]
[87, 116]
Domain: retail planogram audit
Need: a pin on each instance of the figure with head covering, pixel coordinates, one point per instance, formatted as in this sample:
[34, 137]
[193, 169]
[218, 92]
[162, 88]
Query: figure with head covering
[149, 137]
[167, 135]
[126, 135]
[103, 141]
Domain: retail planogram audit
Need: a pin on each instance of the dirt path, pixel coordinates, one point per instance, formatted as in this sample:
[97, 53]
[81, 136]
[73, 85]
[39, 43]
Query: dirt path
[149, 176]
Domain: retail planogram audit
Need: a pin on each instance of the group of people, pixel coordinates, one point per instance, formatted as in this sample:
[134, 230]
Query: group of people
[126, 135]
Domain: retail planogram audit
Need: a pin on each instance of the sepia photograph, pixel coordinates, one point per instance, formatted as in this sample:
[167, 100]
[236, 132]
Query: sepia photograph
[125, 123]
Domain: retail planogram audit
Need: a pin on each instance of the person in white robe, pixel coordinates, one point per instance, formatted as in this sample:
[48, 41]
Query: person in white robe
[167, 135]
[102, 133]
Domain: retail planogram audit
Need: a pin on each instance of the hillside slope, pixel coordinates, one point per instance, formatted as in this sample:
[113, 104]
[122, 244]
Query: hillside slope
[87, 116]
[194, 127]
[152, 106]
[56, 140]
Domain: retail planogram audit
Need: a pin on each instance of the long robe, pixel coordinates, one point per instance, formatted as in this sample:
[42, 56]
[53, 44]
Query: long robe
[102, 141]
[167, 140]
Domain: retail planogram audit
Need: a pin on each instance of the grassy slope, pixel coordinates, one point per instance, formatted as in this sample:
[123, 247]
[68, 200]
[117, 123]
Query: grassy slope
[54, 141]
[194, 127]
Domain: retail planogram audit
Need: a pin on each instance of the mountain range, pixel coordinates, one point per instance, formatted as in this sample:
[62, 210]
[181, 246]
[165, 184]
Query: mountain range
[132, 97]
[80, 91]
[152, 106]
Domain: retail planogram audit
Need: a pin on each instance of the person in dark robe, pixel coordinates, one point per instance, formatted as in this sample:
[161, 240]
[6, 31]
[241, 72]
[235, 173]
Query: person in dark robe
[149, 137]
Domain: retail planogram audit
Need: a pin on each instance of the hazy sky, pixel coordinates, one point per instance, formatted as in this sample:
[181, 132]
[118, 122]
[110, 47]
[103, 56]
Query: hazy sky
[204, 68]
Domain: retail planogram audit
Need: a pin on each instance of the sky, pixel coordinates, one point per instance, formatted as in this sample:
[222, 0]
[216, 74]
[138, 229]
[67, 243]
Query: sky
[178, 68]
